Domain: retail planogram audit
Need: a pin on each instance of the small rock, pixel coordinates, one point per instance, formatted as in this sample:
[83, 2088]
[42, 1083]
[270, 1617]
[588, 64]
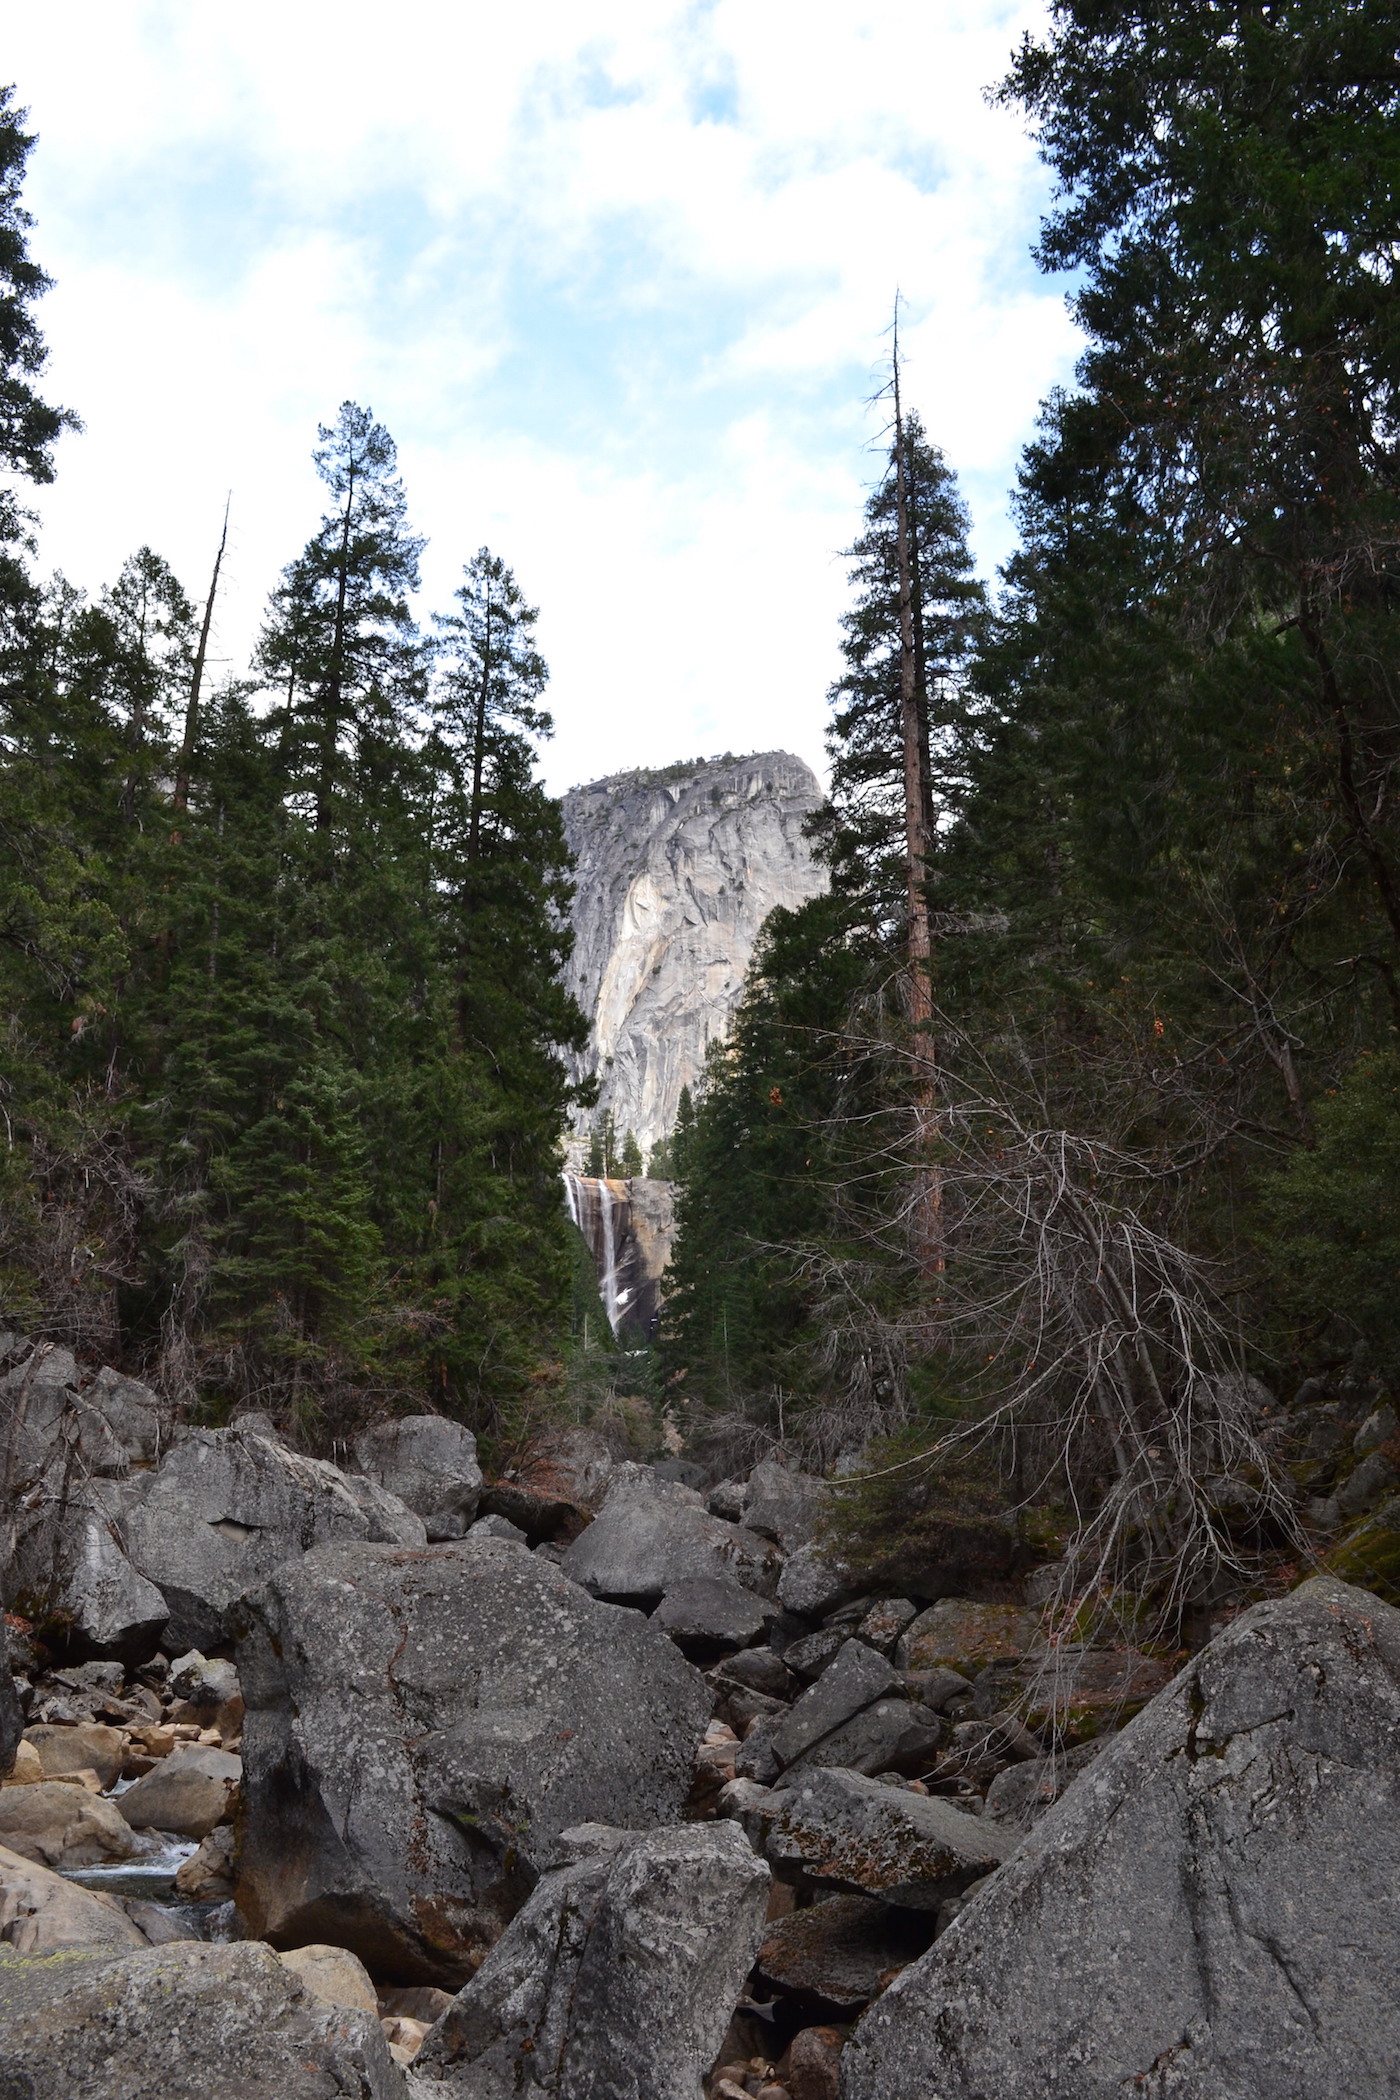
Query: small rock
[405, 2037]
[782, 1505]
[815, 1652]
[27, 1769]
[890, 1736]
[414, 2001]
[1377, 1429]
[811, 1584]
[936, 1688]
[727, 1500]
[705, 1615]
[836, 1956]
[207, 1875]
[204, 1683]
[494, 1527]
[883, 1624]
[814, 2064]
[758, 1670]
[334, 1975]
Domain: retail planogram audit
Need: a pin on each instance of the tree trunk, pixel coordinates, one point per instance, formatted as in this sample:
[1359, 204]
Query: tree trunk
[182, 771]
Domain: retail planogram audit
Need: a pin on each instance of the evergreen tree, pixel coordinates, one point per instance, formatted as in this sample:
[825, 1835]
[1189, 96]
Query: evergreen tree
[630, 1157]
[340, 638]
[862, 831]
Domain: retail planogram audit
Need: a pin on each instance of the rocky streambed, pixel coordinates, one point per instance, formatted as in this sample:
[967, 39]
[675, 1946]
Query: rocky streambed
[601, 1780]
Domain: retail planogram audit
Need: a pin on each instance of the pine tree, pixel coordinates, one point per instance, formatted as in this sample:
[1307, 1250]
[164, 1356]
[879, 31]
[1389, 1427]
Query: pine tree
[490, 679]
[340, 638]
[29, 425]
[863, 832]
[630, 1158]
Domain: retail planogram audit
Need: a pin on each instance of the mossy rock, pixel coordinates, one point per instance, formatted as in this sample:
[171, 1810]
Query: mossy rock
[1369, 1555]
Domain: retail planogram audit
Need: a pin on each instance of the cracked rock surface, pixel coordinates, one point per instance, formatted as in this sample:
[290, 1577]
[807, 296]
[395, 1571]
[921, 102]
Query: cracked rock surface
[421, 1725]
[1209, 1911]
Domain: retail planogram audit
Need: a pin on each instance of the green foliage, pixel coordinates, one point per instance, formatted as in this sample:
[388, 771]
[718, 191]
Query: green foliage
[905, 1515]
[1332, 1219]
[282, 1072]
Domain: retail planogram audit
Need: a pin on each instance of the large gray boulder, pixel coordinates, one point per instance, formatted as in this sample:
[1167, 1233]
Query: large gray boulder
[421, 1726]
[1209, 1910]
[70, 1557]
[652, 1534]
[226, 1508]
[617, 1980]
[838, 1831]
[182, 2022]
[430, 1464]
[856, 1679]
[782, 1505]
[54, 1412]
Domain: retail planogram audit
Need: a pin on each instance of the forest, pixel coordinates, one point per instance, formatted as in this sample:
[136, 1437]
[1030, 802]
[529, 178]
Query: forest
[1067, 1120]
[282, 1071]
[1066, 1129]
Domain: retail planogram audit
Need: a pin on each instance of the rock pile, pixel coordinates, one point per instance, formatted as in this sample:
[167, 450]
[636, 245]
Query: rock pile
[598, 1780]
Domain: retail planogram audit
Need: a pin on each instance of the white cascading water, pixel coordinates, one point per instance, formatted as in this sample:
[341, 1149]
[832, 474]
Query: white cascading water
[612, 1303]
[589, 1199]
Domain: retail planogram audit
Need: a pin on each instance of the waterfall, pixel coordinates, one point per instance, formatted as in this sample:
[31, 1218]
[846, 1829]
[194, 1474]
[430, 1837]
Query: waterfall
[598, 1209]
[612, 1301]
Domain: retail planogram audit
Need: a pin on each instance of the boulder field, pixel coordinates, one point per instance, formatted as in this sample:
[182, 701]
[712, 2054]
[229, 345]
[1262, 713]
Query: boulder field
[606, 1782]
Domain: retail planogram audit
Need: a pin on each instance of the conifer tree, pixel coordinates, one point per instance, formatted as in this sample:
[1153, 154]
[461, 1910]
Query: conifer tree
[340, 634]
[863, 832]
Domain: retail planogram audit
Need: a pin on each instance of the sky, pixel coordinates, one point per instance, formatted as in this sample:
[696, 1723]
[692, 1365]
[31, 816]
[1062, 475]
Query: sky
[616, 274]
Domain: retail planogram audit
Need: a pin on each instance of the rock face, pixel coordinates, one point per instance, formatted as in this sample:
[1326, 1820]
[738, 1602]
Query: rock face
[185, 2022]
[677, 870]
[1190, 1919]
[617, 1978]
[421, 1726]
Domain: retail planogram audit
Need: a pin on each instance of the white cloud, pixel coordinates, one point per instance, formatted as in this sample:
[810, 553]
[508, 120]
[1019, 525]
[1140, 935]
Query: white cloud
[614, 274]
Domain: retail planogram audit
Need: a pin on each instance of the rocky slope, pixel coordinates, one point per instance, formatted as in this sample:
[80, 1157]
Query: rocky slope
[677, 870]
[599, 1781]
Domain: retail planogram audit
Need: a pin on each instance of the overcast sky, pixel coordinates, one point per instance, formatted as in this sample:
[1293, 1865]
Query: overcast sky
[615, 276]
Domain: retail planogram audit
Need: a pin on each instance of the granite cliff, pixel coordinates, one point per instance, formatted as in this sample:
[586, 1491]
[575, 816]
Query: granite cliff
[678, 868]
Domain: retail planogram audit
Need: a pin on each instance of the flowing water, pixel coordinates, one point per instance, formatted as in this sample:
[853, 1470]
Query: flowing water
[599, 1209]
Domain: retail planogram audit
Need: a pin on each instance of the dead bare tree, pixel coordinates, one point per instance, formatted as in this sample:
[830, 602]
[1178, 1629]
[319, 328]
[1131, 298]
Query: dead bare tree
[1100, 1355]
